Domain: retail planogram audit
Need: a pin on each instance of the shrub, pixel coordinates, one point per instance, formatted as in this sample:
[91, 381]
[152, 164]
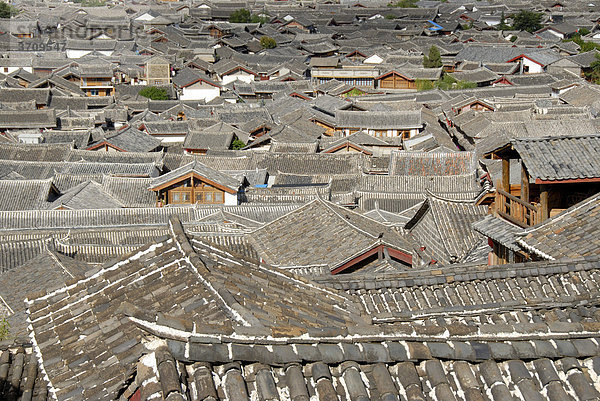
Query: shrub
[7, 11]
[404, 4]
[154, 93]
[423, 84]
[353, 92]
[268, 42]
[237, 144]
[434, 59]
[244, 16]
[4, 329]
[527, 21]
[241, 16]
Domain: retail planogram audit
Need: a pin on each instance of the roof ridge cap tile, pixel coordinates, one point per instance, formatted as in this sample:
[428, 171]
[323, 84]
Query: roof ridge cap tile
[230, 305]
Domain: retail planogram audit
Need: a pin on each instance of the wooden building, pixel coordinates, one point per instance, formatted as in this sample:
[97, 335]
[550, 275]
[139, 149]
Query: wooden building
[406, 78]
[195, 183]
[552, 179]
[395, 80]
[97, 80]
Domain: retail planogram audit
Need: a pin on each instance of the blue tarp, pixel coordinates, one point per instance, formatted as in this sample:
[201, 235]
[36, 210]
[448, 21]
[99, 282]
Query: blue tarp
[435, 27]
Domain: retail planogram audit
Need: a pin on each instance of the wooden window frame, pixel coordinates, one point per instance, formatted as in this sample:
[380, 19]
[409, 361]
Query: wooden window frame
[194, 190]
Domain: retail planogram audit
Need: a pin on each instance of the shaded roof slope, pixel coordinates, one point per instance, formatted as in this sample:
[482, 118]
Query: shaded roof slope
[175, 292]
[573, 233]
[340, 236]
[554, 158]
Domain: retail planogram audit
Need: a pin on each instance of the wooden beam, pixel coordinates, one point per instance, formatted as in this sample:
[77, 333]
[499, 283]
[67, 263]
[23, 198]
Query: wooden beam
[544, 197]
[371, 252]
[524, 183]
[506, 175]
[569, 181]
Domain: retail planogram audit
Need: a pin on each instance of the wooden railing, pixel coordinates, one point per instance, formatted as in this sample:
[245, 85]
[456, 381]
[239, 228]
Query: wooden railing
[516, 211]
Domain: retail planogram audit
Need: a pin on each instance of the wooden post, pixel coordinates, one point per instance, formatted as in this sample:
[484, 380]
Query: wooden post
[524, 183]
[506, 175]
[193, 194]
[544, 202]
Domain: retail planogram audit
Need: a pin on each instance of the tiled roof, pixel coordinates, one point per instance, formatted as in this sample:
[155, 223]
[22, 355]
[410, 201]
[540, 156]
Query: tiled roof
[444, 228]
[26, 194]
[551, 159]
[25, 380]
[34, 152]
[378, 119]
[340, 236]
[431, 164]
[572, 233]
[37, 170]
[219, 296]
[203, 171]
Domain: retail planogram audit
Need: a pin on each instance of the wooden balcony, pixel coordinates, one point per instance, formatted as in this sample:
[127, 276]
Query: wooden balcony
[516, 211]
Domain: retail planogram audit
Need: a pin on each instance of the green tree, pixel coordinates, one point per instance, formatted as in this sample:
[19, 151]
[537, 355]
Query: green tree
[268, 42]
[353, 92]
[241, 16]
[259, 19]
[423, 85]
[404, 4]
[444, 83]
[593, 75]
[527, 21]
[434, 59]
[154, 93]
[7, 11]
[237, 144]
[503, 26]
[583, 45]
[582, 32]
[4, 328]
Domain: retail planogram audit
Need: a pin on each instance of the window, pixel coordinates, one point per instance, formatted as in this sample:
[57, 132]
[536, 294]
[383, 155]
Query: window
[207, 194]
[199, 192]
[94, 92]
[5, 69]
[180, 197]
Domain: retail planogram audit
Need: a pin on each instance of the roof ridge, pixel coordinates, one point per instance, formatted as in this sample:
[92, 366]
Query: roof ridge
[229, 304]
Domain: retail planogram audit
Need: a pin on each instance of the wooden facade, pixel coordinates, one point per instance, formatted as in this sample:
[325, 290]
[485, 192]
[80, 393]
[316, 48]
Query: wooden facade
[97, 86]
[394, 80]
[535, 201]
[189, 189]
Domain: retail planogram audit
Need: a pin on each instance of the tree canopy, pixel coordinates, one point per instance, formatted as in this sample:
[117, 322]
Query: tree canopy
[593, 75]
[503, 26]
[154, 93]
[237, 144]
[527, 21]
[447, 82]
[434, 59]
[244, 16]
[404, 4]
[6, 10]
[268, 42]
[4, 329]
